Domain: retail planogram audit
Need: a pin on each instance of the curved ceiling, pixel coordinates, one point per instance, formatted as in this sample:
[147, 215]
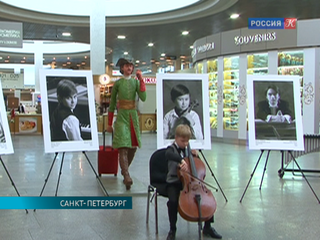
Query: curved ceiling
[113, 8]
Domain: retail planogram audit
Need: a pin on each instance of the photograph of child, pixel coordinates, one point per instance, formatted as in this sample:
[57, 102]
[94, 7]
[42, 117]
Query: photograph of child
[182, 112]
[68, 110]
[2, 136]
[183, 99]
[66, 113]
[6, 146]
[64, 124]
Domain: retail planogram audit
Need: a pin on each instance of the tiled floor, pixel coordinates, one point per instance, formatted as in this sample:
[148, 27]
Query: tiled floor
[284, 208]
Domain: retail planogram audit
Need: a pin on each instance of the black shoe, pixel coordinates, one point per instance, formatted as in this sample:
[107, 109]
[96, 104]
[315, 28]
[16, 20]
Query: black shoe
[171, 235]
[210, 231]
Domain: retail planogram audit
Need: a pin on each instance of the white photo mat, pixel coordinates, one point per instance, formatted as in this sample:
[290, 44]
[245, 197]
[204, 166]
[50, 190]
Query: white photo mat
[198, 88]
[6, 146]
[85, 97]
[265, 135]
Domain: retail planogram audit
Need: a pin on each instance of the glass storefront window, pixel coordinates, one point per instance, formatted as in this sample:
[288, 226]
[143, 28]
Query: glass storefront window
[212, 66]
[230, 92]
[291, 63]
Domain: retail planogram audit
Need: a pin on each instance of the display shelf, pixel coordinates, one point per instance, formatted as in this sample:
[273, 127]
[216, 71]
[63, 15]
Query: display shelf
[212, 69]
[291, 63]
[230, 93]
[257, 63]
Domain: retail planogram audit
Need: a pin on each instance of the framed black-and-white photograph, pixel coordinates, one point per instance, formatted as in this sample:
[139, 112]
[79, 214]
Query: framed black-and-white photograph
[275, 121]
[68, 111]
[6, 146]
[183, 99]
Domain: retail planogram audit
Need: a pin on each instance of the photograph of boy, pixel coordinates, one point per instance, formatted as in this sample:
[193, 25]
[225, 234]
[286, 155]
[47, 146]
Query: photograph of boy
[2, 136]
[182, 107]
[68, 109]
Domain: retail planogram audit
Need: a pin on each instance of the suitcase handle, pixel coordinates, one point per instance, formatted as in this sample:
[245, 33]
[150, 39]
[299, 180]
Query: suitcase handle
[104, 139]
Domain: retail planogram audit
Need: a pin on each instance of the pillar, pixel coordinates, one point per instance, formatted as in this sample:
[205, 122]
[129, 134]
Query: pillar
[98, 37]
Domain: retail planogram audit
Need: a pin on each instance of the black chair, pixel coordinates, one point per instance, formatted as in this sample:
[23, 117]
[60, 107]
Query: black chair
[158, 168]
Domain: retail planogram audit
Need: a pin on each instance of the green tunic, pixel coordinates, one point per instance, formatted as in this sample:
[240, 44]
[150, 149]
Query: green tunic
[125, 89]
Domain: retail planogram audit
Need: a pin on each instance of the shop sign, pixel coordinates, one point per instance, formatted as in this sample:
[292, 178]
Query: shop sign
[12, 80]
[260, 37]
[11, 34]
[203, 48]
[150, 80]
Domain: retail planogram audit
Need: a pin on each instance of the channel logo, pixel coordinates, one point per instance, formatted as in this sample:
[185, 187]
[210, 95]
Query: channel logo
[272, 23]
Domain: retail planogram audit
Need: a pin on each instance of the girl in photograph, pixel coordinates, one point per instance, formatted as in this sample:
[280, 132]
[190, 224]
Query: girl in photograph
[64, 124]
[182, 113]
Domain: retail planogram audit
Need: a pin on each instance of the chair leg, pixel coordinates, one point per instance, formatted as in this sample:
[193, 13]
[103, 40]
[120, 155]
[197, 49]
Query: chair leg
[148, 204]
[156, 210]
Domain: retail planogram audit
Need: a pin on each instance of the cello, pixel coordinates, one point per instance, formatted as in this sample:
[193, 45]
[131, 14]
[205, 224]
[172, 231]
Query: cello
[196, 201]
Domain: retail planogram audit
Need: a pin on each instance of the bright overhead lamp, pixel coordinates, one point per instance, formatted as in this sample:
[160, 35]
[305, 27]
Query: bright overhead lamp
[150, 44]
[234, 16]
[121, 37]
[185, 33]
[125, 53]
[66, 34]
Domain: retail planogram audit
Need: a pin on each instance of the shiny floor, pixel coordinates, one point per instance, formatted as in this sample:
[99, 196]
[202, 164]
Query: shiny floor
[284, 208]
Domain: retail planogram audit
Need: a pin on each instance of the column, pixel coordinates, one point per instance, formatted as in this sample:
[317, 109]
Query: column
[242, 96]
[273, 62]
[311, 95]
[97, 37]
[38, 63]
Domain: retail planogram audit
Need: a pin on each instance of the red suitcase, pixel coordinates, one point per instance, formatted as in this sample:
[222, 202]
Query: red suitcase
[108, 159]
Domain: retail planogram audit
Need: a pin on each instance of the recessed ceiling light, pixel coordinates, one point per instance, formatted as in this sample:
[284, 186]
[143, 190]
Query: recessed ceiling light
[137, 61]
[66, 34]
[191, 47]
[121, 37]
[125, 53]
[185, 33]
[150, 44]
[234, 16]
[163, 54]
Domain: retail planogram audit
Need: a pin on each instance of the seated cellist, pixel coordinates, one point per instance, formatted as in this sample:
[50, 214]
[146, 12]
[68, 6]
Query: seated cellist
[175, 155]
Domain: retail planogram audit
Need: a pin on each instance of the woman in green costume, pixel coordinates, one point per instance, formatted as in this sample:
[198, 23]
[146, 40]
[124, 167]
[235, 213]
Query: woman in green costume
[126, 137]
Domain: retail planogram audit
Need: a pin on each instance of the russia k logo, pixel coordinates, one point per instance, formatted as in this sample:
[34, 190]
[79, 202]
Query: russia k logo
[290, 23]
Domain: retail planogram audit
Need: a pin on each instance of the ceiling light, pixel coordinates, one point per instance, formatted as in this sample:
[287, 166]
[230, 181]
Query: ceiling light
[137, 61]
[121, 37]
[234, 16]
[191, 47]
[125, 53]
[185, 33]
[150, 44]
[66, 34]
[163, 54]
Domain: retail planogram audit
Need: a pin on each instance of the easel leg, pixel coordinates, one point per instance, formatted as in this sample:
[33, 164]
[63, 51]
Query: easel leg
[14, 186]
[293, 158]
[264, 170]
[60, 172]
[252, 175]
[105, 191]
[212, 174]
[46, 180]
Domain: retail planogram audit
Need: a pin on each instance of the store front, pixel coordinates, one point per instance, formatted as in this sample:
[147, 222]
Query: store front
[228, 58]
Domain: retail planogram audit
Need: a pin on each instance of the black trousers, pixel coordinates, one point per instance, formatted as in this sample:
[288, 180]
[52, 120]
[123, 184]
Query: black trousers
[173, 191]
